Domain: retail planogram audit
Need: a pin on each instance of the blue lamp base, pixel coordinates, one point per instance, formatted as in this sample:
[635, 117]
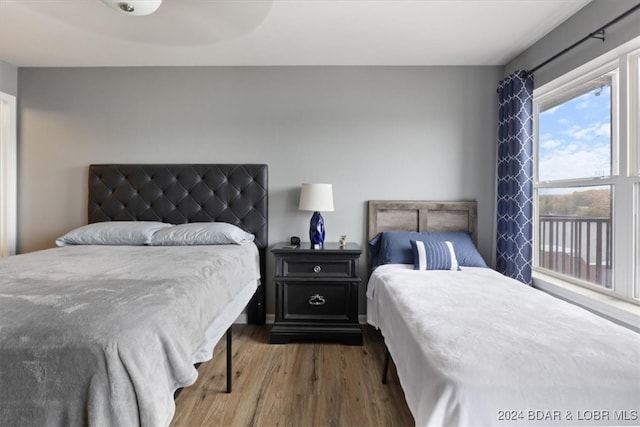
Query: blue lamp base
[316, 230]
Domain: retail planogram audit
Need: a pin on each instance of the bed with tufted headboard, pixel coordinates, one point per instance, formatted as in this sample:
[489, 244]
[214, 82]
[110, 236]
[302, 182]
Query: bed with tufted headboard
[105, 329]
[184, 193]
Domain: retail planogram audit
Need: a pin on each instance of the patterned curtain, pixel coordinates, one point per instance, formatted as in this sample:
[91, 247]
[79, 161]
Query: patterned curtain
[515, 177]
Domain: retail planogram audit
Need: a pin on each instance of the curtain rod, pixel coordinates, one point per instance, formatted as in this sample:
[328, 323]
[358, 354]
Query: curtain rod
[597, 34]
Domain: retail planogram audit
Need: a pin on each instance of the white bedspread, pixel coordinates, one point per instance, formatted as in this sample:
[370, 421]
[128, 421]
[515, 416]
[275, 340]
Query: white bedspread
[474, 348]
[104, 335]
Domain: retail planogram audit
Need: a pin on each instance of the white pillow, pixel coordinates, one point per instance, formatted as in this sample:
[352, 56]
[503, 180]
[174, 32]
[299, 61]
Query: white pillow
[201, 233]
[128, 233]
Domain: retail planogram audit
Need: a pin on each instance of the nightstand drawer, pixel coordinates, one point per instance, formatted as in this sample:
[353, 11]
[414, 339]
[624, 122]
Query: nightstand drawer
[316, 301]
[317, 268]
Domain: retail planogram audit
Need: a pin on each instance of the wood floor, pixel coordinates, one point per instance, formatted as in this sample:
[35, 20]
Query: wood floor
[297, 384]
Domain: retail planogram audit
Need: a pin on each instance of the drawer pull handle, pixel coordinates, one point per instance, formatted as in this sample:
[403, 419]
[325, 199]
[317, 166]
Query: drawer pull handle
[317, 269]
[317, 300]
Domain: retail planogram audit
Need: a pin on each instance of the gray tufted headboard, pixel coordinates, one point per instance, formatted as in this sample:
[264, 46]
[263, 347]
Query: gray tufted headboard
[180, 193]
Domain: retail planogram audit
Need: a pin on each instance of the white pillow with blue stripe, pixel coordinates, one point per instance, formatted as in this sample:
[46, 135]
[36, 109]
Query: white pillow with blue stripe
[434, 256]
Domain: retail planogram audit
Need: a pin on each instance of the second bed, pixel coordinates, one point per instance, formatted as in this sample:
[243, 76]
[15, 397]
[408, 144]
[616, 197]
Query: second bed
[473, 347]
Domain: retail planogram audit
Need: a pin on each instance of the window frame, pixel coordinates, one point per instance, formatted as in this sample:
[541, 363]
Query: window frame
[625, 168]
[8, 175]
[633, 69]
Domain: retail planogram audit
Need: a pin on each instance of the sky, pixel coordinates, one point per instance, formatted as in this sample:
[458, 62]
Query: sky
[575, 137]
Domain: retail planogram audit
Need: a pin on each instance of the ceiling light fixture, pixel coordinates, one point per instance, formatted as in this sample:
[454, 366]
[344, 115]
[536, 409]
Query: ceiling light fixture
[126, 7]
[134, 7]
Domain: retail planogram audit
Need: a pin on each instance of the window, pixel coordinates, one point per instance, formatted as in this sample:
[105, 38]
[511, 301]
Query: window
[7, 174]
[587, 176]
[575, 233]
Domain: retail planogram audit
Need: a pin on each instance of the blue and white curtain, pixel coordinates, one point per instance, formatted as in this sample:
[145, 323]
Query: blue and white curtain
[515, 177]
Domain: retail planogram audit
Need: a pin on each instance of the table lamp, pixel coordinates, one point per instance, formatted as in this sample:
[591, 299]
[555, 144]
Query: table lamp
[316, 198]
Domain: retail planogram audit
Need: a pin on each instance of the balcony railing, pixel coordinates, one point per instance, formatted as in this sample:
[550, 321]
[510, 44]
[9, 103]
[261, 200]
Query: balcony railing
[579, 247]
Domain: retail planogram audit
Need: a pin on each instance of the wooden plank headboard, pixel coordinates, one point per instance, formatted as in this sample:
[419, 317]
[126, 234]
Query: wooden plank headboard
[422, 215]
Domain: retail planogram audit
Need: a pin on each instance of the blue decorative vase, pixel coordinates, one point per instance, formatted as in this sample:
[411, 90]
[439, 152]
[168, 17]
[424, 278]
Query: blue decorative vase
[316, 230]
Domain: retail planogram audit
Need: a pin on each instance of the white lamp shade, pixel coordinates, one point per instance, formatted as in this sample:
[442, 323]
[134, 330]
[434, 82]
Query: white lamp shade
[316, 197]
[140, 7]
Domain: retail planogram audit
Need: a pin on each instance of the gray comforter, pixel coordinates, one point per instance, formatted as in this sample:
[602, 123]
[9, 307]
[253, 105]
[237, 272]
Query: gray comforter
[104, 335]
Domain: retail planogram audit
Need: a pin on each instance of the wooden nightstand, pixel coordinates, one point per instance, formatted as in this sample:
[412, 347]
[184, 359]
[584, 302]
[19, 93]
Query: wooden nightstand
[317, 294]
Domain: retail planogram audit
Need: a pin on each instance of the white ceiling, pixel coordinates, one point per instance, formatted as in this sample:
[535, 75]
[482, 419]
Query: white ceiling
[43, 33]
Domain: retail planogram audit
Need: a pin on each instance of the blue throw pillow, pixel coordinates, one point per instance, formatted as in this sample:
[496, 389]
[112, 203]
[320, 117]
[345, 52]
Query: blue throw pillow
[394, 247]
[466, 251]
[433, 255]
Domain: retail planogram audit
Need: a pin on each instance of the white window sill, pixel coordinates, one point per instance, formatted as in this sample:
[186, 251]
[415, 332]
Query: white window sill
[622, 312]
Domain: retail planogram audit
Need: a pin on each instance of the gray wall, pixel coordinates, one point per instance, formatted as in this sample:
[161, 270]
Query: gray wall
[8, 78]
[373, 132]
[587, 20]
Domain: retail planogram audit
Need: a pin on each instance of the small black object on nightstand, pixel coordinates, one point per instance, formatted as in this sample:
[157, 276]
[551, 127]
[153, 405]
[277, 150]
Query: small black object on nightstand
[317, 293]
